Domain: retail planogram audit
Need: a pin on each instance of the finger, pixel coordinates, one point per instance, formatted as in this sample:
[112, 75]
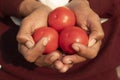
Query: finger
[26, 40]
[58, 65]
[40, 61]
[87, 52]
[32, 54]
[73, 59]
[52, 57]
[81, 22]
[24, 36]
[56, 55]
[26, 30]
[65, 68]
[96, 31]
[44, 61]
[48, 60]
[62, 67]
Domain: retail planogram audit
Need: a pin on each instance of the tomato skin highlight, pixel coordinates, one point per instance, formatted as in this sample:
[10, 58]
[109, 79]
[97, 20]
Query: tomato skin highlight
[70, 35]
[60, 18]
[52, 36]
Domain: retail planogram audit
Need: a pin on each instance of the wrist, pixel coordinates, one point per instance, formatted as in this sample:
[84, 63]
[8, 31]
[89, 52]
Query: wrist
[78, 3]
[28, 6]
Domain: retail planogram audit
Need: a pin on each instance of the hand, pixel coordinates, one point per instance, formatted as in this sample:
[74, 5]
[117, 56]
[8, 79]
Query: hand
[60, 65]
[49, 59]
[88, 20]
[35, 15]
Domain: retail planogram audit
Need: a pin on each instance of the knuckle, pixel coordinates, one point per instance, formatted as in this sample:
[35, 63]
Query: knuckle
[100, 35]
[18, 37]
[21, 38]
[92, 56]
[97, 16]
[25, 20]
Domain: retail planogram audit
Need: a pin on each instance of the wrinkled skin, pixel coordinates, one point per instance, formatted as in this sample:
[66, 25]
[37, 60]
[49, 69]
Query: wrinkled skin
[35, 17]
[89, 21]
[86, 18]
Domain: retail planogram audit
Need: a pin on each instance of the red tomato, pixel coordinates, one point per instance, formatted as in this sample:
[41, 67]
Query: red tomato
[70, 35]
[51, 34]
[60, 18]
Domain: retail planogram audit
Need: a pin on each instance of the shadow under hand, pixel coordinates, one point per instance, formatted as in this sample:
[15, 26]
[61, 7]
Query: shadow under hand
[10, 52]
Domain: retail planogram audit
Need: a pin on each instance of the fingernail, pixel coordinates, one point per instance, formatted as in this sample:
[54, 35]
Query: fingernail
[52, 59]
[75, 47]
[69, 61]
[29, 44]
[64, 69]
[91, 42]
[85, 27]
[45, 41]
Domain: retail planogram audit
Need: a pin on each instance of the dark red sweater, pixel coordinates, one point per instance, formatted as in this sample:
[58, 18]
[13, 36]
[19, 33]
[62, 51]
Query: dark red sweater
[9, 7]
[15, 67]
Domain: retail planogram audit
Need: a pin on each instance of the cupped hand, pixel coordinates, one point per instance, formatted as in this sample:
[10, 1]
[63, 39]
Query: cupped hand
[88, 20]
[35, 16]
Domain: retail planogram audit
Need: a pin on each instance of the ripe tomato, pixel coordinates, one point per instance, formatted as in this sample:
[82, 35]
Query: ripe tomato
[60, 18]
[70, 35]
[52, 36]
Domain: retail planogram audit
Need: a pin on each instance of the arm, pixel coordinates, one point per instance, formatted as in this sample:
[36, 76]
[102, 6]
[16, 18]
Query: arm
[10, 7]
[18, 7]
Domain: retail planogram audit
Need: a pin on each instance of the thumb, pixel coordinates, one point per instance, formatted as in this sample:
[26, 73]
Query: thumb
[25, 39]
[24, 36]
[82, 22]
[96, 32]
